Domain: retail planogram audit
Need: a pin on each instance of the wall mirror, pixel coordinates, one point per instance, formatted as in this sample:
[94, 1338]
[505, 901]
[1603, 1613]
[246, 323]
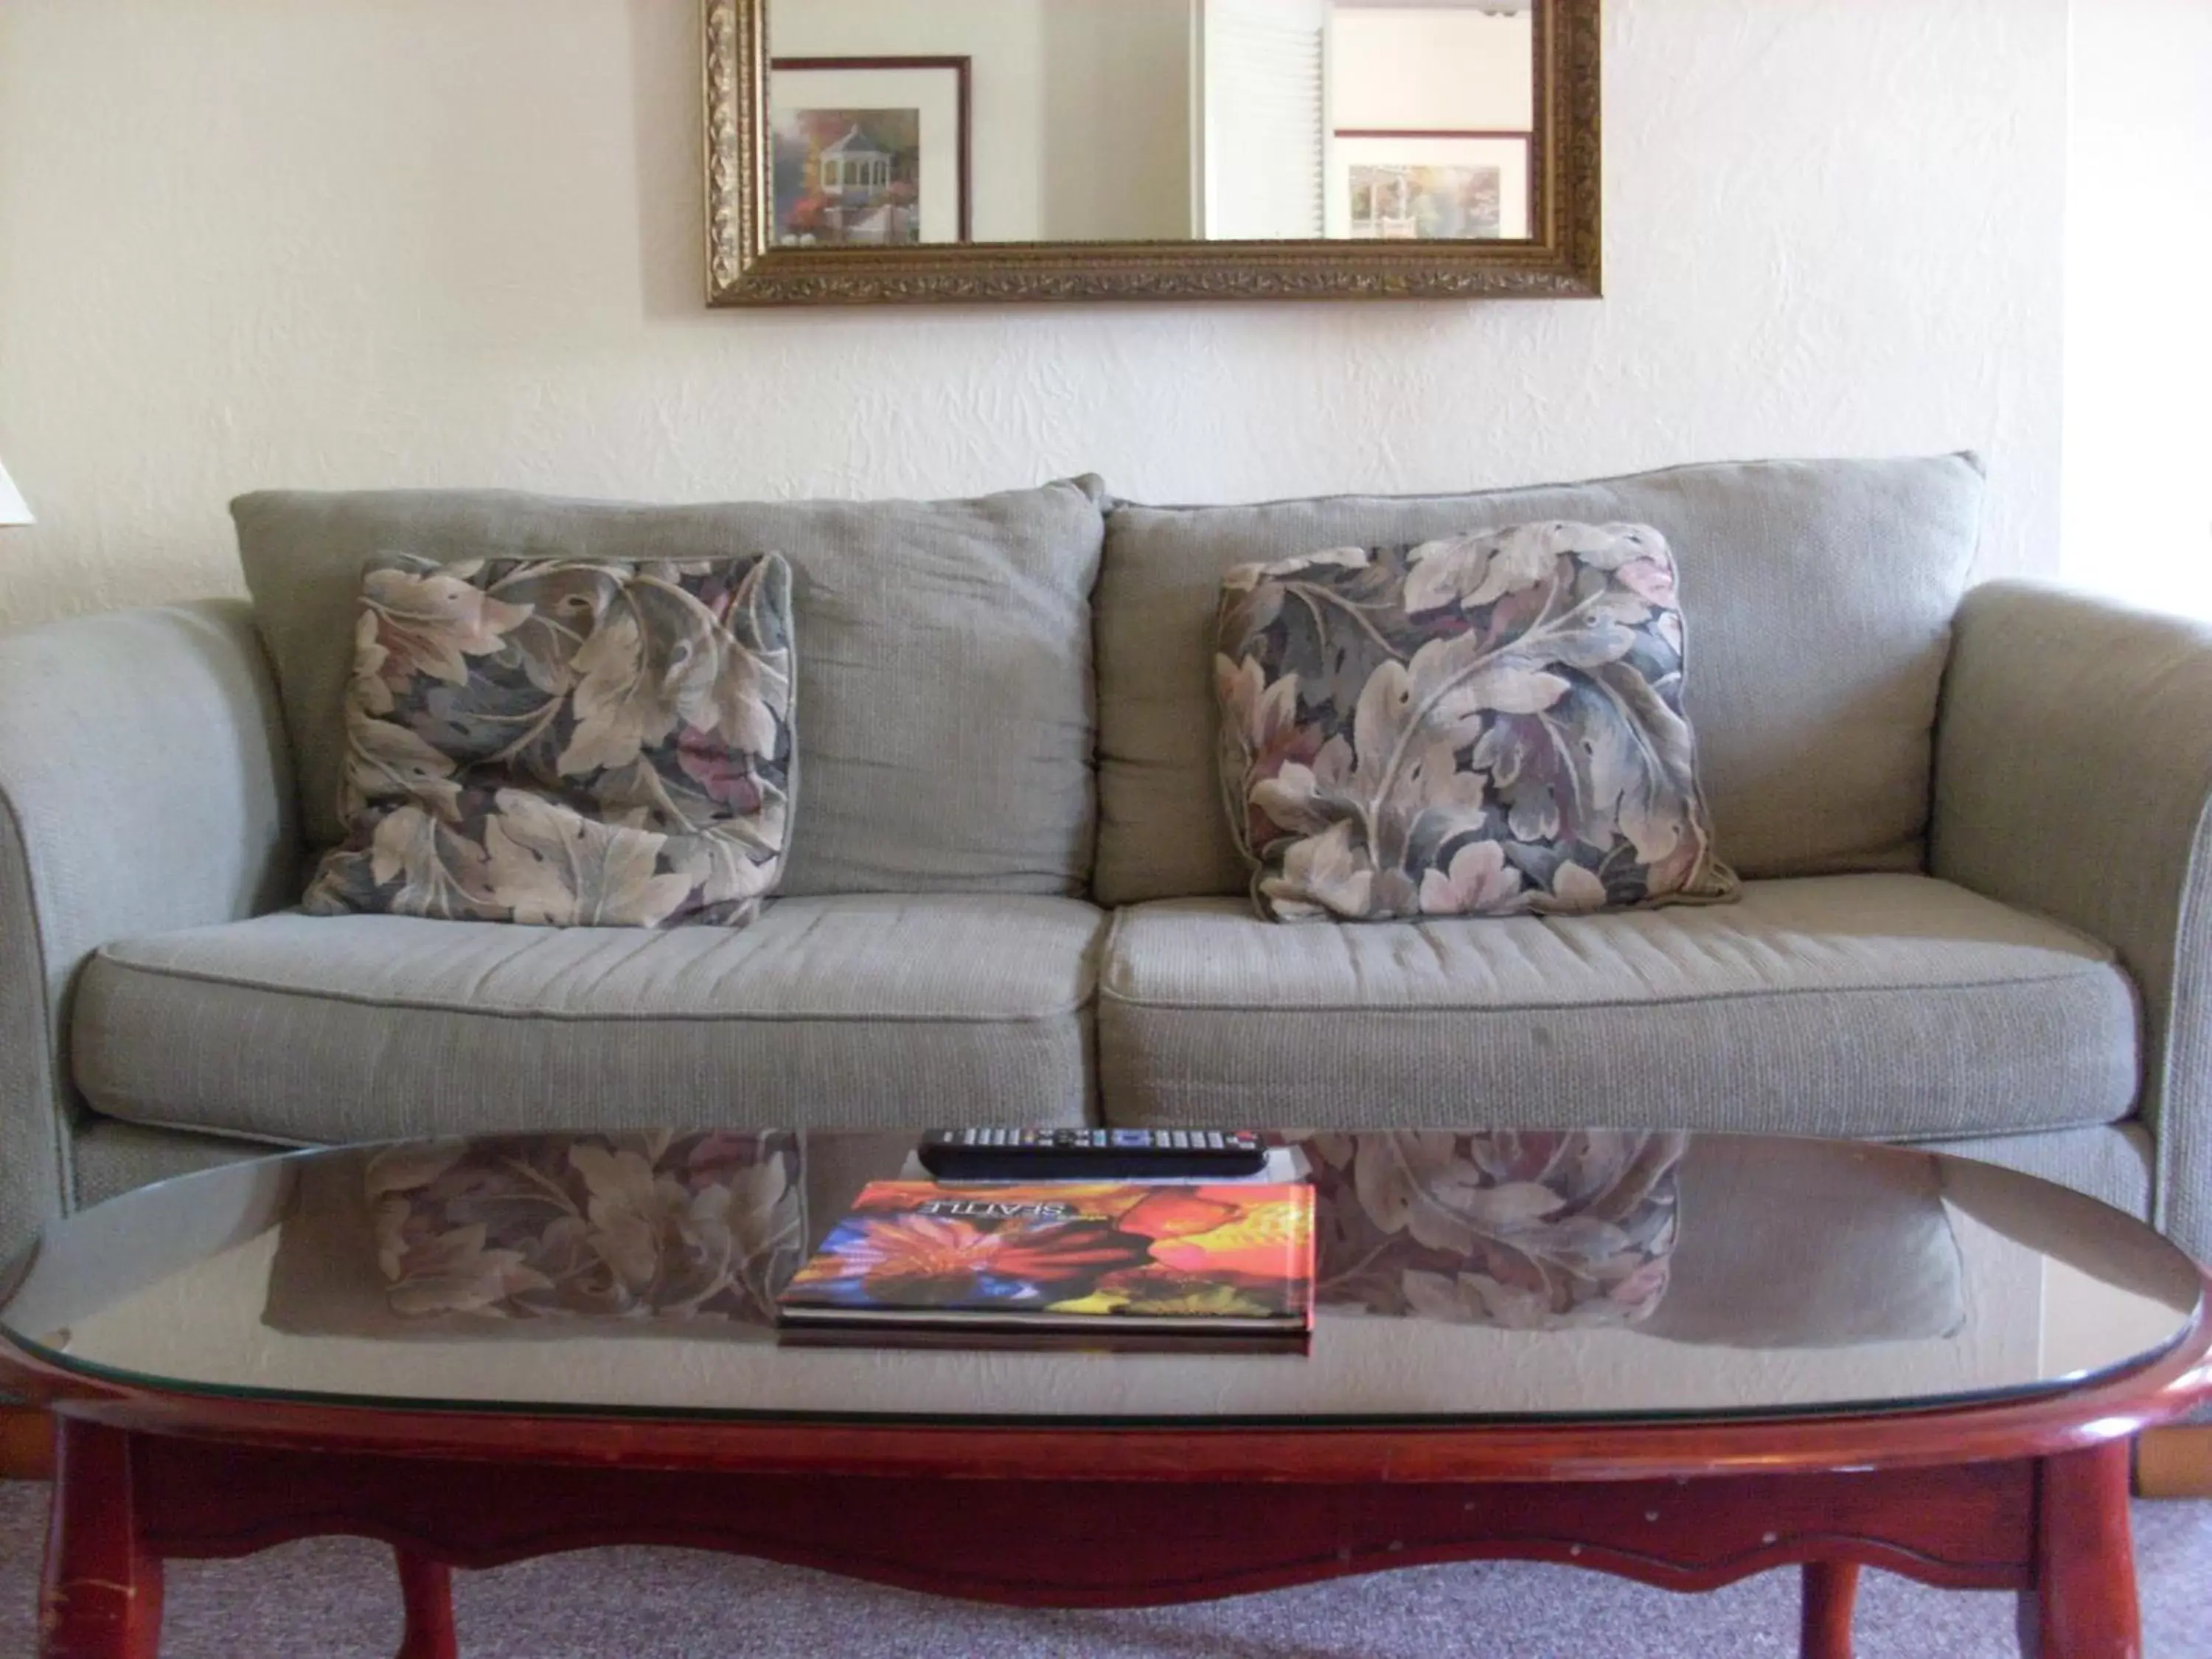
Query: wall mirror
[865, 151]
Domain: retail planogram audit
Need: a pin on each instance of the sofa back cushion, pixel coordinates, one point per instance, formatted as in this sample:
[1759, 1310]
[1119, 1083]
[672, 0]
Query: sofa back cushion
[1819, 593]
[945, 704]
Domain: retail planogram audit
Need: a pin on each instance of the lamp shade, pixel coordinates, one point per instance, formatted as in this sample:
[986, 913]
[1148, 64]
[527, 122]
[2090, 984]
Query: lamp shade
[14, 509]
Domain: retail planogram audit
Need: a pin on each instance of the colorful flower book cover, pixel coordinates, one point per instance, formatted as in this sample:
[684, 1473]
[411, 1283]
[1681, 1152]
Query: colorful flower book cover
[1104, 1258]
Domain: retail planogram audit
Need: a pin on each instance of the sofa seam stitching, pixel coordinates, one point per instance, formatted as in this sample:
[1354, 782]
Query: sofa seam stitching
[353, 1000]
[2085, 976]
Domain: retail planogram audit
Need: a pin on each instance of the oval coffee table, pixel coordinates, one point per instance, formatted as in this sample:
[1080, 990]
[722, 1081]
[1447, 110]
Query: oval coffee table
[1680, 1358]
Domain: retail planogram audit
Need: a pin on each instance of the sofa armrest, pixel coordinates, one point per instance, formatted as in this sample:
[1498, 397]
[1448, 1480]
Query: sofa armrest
[144, 785]
[2073, 773]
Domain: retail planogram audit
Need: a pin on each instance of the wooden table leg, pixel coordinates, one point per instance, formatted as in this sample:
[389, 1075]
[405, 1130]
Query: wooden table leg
[2084, 1605]
[102, 1595]
[427, 1587]
[1831, 1588]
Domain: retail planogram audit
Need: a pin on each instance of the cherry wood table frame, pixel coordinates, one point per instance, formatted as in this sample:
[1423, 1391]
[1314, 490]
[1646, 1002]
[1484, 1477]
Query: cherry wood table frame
[2028, 1495]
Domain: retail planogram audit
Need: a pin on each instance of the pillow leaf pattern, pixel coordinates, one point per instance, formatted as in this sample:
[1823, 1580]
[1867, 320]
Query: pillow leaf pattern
[656, 1226]
[1490, 724]
[1530, 1231]
[566, 742]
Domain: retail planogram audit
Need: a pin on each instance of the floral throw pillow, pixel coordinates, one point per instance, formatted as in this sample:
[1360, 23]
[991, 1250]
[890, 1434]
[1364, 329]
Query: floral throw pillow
[1532, 1231]
[567, 742]
[1488, 725]
[653, 1225]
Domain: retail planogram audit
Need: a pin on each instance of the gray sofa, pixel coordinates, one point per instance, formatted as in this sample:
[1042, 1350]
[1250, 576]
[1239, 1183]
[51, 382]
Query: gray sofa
[1970, 822]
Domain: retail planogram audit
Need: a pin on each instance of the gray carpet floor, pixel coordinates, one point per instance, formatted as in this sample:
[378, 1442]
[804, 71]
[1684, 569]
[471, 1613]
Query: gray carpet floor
[335, 1598]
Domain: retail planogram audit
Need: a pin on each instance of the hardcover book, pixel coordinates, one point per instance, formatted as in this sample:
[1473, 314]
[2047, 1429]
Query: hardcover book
[1156, 1266]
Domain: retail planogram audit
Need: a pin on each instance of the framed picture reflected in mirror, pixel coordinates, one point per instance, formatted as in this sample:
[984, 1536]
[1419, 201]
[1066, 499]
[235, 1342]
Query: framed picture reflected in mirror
[871, 152]
[1421, 186]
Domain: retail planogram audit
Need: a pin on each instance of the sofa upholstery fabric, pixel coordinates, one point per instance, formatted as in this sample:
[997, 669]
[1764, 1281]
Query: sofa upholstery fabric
[1819, 595]
[1875, 1005]
[566, 742]
[143, 785]
[114, 1157]
[944, 682]
[856, 1012]
[2076, 777]
[2115, 1163]
[2042, 998]
[1482, 726]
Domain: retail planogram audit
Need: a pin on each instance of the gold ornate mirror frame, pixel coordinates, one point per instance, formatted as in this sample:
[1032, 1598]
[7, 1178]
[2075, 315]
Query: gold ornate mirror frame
[1561, 260]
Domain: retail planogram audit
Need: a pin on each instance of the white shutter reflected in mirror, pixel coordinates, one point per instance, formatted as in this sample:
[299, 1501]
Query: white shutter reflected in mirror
[1265, 118]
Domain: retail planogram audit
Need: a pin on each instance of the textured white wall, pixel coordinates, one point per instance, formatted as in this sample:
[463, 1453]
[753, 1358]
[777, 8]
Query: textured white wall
[366, 242]
[2138, 318]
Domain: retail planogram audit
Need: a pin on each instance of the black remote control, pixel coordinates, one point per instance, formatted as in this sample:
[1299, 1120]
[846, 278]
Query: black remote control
[1092, 1154]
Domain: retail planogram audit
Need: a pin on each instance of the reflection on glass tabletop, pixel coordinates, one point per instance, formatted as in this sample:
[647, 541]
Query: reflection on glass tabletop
[1462, 1276]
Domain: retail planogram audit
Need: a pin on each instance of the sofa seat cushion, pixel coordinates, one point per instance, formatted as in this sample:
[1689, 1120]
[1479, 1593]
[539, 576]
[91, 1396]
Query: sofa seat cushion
[864, 1011]
[1868, 1005]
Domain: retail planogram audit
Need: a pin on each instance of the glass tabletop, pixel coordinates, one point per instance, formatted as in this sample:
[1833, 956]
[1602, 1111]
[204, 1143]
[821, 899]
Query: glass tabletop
[1460, 1277]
